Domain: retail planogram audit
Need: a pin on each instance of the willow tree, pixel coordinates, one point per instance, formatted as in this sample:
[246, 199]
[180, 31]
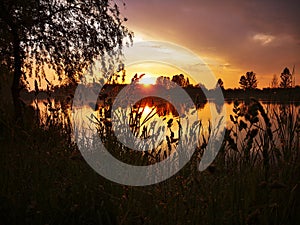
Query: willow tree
[64, 35]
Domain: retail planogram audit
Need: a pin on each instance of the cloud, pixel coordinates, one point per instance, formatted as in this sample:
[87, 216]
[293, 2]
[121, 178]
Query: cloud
[264, 39]
[249, 35]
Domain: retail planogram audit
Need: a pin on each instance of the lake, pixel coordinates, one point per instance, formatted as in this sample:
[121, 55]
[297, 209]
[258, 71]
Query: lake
[145, 118]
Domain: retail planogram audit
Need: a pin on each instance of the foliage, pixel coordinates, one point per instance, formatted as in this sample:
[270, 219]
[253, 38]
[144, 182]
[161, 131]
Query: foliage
[164, 81]
[286, 78]
[220, 84]
[65, 36]
[180, 80]
[253, 180]
[136, 78]
[248, 81]
[114, 77]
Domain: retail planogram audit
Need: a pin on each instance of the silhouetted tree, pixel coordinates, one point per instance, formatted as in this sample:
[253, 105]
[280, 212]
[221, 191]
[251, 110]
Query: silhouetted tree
[64, 35]
[248, 81]
[286, 79]
[220, 84]
[180, 80]
[187, 82]
[160, 80]
[116, 78]
[164, 81]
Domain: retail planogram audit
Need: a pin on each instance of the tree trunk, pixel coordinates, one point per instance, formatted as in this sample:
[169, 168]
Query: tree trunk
[18, 58]
[15, 88]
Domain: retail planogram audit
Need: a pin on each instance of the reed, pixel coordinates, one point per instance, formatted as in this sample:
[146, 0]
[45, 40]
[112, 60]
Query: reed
[253, 180]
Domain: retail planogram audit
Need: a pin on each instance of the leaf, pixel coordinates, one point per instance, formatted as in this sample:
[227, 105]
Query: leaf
[172, 134]
[255, 120]
[232, 119]
[243, 125]
[36, 87]
[253, 133]
[170, 123]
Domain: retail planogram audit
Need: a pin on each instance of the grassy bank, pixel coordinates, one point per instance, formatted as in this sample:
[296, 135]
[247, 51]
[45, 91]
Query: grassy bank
[255, 179]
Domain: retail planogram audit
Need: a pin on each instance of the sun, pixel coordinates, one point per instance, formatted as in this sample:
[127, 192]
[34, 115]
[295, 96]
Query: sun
[147, 110]
[148, 80]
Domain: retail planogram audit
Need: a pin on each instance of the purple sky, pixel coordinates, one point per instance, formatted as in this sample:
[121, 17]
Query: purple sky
[232, 36]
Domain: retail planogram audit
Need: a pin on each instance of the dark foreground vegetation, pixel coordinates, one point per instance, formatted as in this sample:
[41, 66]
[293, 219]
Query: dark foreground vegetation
[44, 180]
[255, 178]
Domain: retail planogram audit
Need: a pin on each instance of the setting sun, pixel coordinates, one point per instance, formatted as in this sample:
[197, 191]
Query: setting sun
[147, 110]
[148, 80]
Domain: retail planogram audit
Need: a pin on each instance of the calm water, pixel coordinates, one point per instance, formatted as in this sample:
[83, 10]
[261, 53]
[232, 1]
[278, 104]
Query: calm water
[204, 113]
[50, 110]
[89, 121]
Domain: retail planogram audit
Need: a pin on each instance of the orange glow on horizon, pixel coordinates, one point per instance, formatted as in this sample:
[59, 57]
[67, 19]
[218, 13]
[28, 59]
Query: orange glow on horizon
[152, 70]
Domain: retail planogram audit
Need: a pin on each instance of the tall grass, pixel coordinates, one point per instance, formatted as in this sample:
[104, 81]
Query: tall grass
[254, 179]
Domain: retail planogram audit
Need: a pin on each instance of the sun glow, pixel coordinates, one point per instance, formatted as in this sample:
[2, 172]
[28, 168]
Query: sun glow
[152, 71]
[148, 80]
[147, 110]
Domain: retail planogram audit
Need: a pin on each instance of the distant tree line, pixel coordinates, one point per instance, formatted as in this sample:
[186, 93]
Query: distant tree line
[178, 79]
[249, 80]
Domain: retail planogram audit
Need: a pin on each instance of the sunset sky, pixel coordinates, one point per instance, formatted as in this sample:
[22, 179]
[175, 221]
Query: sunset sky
[231, 36]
